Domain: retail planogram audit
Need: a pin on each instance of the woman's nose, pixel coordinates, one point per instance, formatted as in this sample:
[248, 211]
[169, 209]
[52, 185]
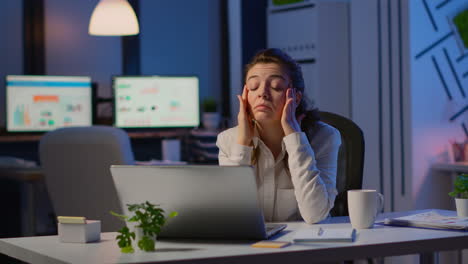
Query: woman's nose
[263, 92]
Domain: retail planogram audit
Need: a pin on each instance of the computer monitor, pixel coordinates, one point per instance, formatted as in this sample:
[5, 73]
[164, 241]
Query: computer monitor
[156, 101]
[43, 103]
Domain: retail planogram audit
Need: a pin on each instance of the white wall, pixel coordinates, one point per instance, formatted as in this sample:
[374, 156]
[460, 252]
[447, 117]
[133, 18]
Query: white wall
[321, 33]
[11, 46]
[364, 82]
[381, 94]
[333, 85]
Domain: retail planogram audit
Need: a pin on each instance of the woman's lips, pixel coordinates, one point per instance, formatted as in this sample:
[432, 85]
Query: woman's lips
[262, 107]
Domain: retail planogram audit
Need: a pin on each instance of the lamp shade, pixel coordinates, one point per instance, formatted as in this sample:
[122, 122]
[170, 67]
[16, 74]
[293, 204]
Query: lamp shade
[113, 18]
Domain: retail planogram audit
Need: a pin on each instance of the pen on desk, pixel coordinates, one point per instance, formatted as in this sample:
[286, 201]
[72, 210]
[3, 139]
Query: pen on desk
[320, 231]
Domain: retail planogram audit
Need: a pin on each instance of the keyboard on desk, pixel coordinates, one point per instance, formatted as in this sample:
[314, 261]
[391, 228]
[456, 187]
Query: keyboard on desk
[272, 229]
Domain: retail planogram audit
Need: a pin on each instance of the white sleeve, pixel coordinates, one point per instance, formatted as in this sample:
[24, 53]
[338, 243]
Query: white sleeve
[313, 173]
[232, 153]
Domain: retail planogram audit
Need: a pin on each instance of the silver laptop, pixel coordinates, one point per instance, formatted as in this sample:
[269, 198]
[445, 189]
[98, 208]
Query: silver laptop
[211, 201]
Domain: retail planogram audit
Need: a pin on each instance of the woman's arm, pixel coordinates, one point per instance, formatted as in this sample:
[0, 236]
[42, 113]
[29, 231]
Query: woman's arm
[313, 173]
[231, 152]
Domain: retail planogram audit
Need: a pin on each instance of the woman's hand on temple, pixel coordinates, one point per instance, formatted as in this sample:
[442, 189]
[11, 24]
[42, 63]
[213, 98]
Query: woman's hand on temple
[244, 120]
[289, 121]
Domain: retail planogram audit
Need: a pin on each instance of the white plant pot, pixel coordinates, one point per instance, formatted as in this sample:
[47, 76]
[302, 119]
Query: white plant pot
[138, 235]
[462, 207]
[211, 120]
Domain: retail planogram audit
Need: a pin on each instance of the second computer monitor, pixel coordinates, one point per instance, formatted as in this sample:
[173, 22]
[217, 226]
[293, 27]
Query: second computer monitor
[156, 101]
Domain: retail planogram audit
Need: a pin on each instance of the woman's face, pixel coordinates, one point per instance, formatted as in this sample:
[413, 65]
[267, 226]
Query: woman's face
[267, 84]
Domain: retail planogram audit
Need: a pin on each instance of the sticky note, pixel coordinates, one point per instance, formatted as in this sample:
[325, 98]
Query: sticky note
[271, 244]
[71, 219]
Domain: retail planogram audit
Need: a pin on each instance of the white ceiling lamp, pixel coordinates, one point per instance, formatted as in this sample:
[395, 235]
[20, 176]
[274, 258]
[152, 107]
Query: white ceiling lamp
[113, 18]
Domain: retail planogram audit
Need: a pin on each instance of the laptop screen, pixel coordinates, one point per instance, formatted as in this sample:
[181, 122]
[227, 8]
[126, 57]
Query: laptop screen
[211, 201]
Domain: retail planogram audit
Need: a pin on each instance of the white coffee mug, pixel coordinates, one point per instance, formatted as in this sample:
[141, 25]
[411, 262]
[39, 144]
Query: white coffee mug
[363, 207]
[171, 149]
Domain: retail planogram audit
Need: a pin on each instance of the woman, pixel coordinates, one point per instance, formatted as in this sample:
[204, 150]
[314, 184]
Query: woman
[295, 168]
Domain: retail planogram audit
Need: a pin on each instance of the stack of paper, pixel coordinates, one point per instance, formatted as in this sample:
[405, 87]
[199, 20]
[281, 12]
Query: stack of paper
[325, 235]
[430, 220]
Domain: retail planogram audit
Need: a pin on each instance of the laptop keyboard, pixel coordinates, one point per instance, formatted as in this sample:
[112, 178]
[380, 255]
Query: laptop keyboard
[270, 227]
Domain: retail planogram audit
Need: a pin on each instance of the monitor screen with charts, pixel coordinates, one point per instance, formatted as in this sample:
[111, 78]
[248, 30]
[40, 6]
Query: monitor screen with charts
[43, 103]
[156, 101]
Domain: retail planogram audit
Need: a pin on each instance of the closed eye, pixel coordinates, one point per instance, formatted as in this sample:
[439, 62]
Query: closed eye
[278, 84]
[253, 84]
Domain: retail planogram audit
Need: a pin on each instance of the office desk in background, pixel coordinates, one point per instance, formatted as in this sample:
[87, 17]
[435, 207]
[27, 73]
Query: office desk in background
[34, 137]
[377, 242]
[455, 167]
[146, 144]
[28, 179]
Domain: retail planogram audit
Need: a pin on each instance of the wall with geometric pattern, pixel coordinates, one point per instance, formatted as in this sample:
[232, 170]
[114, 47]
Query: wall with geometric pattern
[435, 43]
[439, 89]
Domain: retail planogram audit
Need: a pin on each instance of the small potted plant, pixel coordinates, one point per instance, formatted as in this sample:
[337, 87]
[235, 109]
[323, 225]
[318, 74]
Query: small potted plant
[147, 220]
[211, 117]
[460, 193]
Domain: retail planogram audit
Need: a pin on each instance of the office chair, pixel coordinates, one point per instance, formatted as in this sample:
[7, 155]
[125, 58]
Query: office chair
[76, 162]
[350, 159]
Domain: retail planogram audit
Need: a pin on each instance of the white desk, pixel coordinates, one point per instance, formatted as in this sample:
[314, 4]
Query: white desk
[377, 242]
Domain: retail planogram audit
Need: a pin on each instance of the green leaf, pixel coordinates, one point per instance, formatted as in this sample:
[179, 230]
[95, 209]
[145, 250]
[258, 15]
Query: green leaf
[173, 214]
[146, 244]
[149, 217]
[122, 243]
[133, 219]
[128, 249]
[124, 239]
[461, 23]
[122, 217]
[460, 186]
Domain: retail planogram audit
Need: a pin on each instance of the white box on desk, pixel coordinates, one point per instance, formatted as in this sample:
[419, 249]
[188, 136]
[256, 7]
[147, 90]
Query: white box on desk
[80, 233]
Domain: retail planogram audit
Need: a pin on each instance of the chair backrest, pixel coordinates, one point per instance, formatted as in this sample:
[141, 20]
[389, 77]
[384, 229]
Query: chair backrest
[76, 162]
[350, 159]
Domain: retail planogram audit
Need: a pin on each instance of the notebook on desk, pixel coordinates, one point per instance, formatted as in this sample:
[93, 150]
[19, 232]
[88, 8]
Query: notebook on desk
[211, 201]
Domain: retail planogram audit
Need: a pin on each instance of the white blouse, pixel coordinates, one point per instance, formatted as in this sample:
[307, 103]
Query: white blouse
[301, 182]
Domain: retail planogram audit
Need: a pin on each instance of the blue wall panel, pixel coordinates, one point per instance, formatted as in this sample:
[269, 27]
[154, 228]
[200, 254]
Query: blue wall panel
[11, 46]
[182, 37]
